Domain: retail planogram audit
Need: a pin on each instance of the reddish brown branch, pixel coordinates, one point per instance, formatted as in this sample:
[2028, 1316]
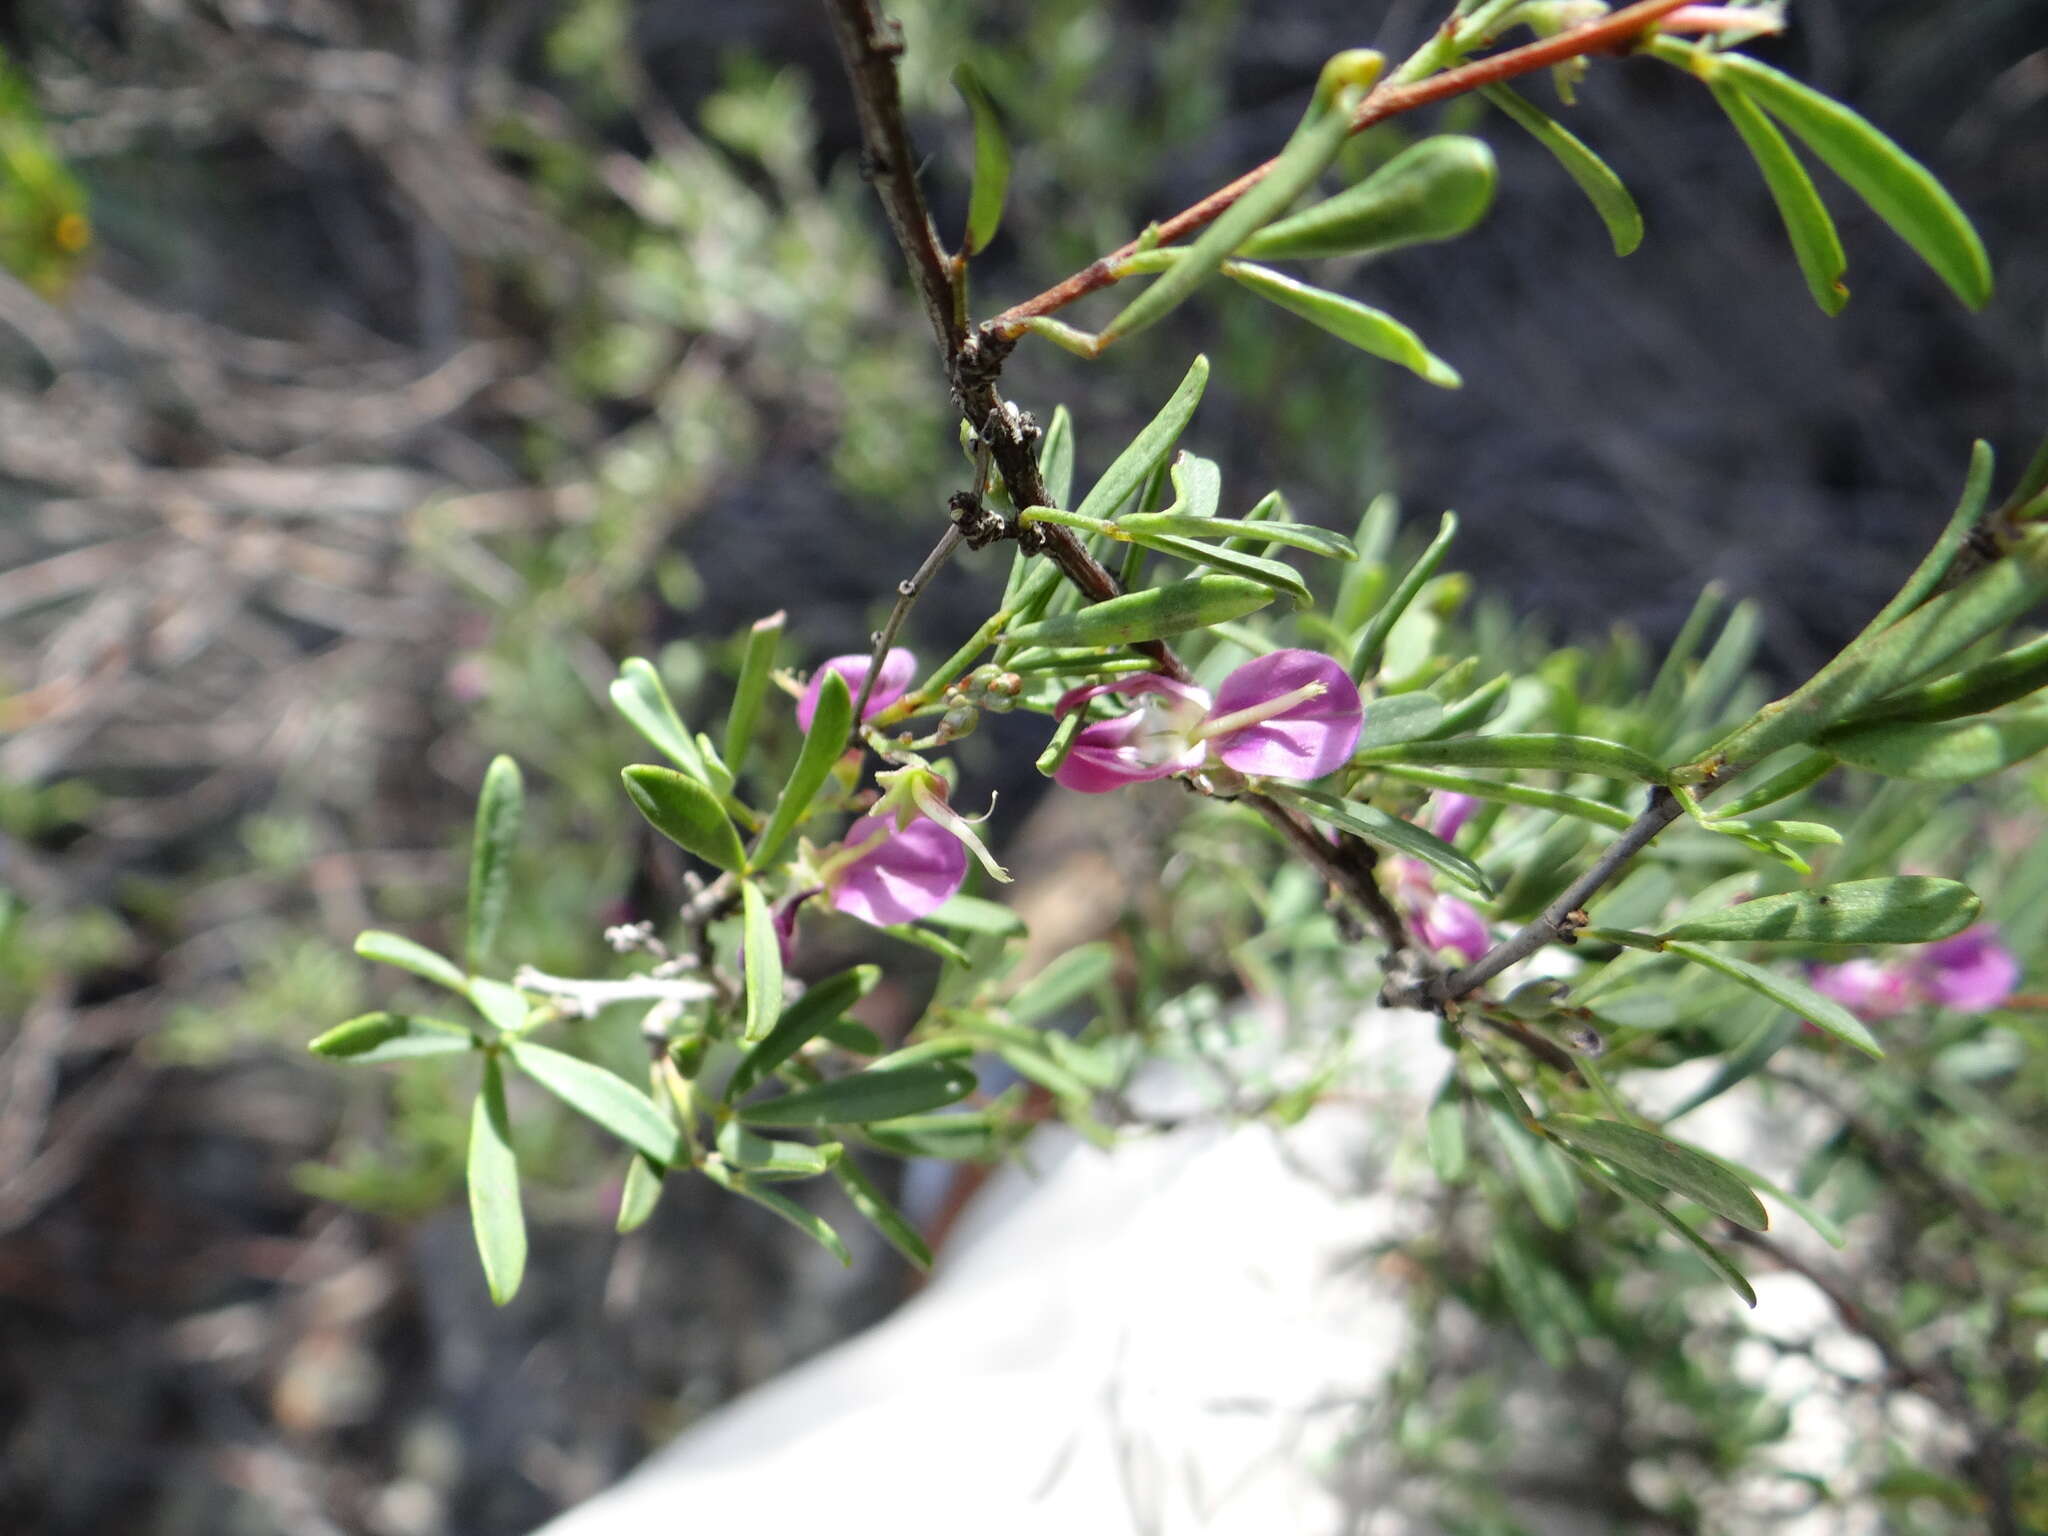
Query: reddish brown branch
[1611, 34]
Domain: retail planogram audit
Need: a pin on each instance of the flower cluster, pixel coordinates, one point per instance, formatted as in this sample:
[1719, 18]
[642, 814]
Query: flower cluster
[1288, 715]
[1972, 972]
[1440, 922]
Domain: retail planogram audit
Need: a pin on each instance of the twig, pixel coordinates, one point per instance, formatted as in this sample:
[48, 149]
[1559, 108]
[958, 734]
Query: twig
[907, 594]
[1607, 35]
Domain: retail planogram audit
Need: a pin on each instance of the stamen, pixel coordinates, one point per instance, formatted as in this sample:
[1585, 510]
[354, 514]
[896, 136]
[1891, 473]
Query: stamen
[1255, 714]
[961, 828]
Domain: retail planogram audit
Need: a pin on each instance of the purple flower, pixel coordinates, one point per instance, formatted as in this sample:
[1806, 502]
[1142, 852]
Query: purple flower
[1441, 922]
[884, 876]
[1450, 811]
[898, 667]
[1972, 972]
[1289, 715]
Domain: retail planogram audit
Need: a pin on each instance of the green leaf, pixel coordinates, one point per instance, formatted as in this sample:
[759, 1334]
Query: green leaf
[377, 1037]
[1671, 1164]
[396, 949]
[820, 1006]
[640, 1194]
[884, 1217]
[1268, 573]
[490, 860]
[1903, 909]
[1814, 241]
[494, 1189]
[1385, 831]
[1786, 992]
[1446, 1133]
[972, 1136]
[752, 688]
[599, 1095]
[682, 810]
[1320, 541]
[880, 1093]
[1651, 1199]
[1933, 569]
[1899, 189]
[1945, 752]
[1149, 448]
[503, 1004]
[1595, 177]
[761, 954]
[1072, 976]
[1400, 717]
[1804, 774]
[1056, 462]
[1539, 1168]
[638, 694]
[1372, 640]
[1372, 331]
[1527, 754]
[812, 1226]
[761, 1157]
[823, 746]
[937, 943]
[1153, 614]
[970, 914]
[1435, 190]
[1313, 145]
[1197, 488]
[991, 162]
[1513, 794]
[2013, 675]
[1772, 1034]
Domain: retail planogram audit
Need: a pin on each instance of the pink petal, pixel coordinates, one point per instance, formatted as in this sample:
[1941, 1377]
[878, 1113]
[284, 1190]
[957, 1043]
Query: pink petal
[1135, 682]
[1450, 811]
[1448, 923]
[898, 667]
[907, 875]
[1971, 972]
[1312, 738]
[1867, 988]
[1110, 754]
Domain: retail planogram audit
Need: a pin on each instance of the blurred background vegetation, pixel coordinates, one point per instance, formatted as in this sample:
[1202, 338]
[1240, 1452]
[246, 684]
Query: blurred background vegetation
[424, 360]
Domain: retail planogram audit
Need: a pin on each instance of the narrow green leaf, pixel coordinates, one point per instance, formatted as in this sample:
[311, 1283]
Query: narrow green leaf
[1446, 1133]
[880, 1093]
[1671, 1164]
[1538, 1166]
[822, 747]
[1372, 331]
[1385, 831]
[1651, 1198]
[1056, 459]
[1149, 448]
[503, 1004]
[1513, 794]
[490, 859]
[1320, 541]
[812, 1226]
[599, 1095]
[378, 1037]
[1372, 640]
[1153, 614]
[1899, 189]
[1072, 976]
[1435, 190]
[1610, 199]
[752, 688]
[1814, 241]
[937, 943]
[1902, 909]
[2021, 671]
[1786, 992]
[494, 1189]
[884, 1217]
[1473, 710]
[1314, 144]
[638, 694]
[761, 1157]
[640, 1193]
[991, 162]
[972, 1136]
[396, 949]
[684, 811]
[1268, 573]
[1945, 752]
[1400, 717]
[1197, 489]
[1934, 567]
[820, 1006]
[761, 955]
[1804, 774]
[851, 1035]
[1526, 754]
